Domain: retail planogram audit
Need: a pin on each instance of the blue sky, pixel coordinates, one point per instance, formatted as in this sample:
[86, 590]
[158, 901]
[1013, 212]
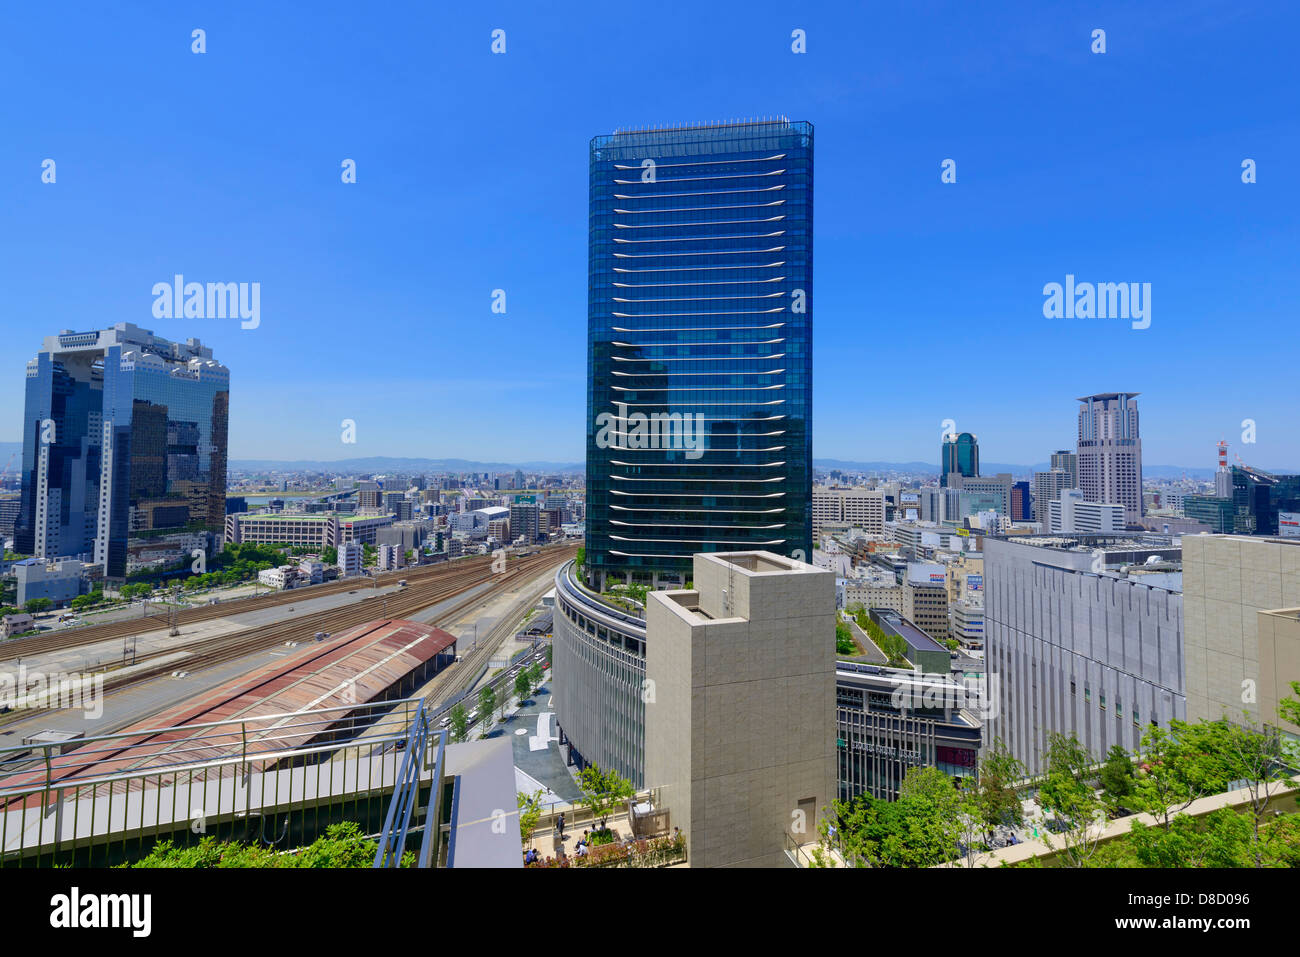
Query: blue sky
[472, 176]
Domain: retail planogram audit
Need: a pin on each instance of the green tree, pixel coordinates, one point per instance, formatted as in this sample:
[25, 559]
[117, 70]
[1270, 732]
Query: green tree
[522, 685]
[530, 812]
[844, 644]
[86, 601]
[330, 556]
[924, 827]
[603, 791]
[894, 648]
[36, 605]
[342, 846]
[1220, 839]
[996, 793]
[1116, 779]
[487, 701]
[1256, 758]
[459, 723]
[1067, 794]
[1288, 709]
[535, 676]
[1175, 767]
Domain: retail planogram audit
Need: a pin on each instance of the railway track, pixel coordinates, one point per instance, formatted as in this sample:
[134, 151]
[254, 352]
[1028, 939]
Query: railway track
[76, 637]
[418, 595]
[445, 689]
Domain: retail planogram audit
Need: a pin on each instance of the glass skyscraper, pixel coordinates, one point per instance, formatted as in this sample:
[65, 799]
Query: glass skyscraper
[959, 454]
[124, 450]
[699, 357]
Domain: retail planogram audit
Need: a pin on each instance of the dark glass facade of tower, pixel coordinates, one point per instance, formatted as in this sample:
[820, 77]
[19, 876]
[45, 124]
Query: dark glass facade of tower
[124, 450]
[960, 454]
[700, 311]
[1258, 497]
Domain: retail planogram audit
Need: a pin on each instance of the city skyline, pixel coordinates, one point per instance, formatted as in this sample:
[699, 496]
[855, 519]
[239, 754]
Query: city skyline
[902, 252]
[357, 514]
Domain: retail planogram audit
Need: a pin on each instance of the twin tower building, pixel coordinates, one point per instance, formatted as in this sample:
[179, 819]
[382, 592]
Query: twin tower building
[124, 450]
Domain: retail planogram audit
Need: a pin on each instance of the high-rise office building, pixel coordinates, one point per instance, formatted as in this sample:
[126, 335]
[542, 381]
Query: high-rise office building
[1048, 487]
[525, 521]
[1259, 497]
[124, 449]
[699, 399]
[1068, 462]
[995, 488]
[1110, 451]
[369, 495]
[959, 454]
[1021, 503]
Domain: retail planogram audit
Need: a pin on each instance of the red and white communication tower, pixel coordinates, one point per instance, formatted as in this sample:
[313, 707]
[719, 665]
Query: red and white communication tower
[1223, 456]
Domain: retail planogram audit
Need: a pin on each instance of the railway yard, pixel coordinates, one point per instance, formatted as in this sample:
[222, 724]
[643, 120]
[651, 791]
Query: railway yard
[134, 669]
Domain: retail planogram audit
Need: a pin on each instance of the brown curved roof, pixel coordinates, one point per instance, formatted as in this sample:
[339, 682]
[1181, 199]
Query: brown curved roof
[348, 668]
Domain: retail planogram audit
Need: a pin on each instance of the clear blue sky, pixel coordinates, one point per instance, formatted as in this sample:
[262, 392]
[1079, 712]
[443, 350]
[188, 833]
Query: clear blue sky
[472, 176]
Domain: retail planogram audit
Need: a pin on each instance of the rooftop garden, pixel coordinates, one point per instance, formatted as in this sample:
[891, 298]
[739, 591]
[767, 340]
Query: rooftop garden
[1133, 810]
[343, 846]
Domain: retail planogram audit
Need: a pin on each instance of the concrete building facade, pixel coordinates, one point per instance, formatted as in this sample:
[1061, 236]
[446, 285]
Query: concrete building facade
[740, 732]
[1070, 513]
[1240, 596]
[862, 508]
[59, 581]
[1110, 451]
[1096, 653]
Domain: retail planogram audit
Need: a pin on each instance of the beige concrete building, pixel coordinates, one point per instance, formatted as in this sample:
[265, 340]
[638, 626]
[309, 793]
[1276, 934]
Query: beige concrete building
[1279, 660]
[873, 594]
[862, 508]
[1242, 637]
[958, 580]
[740, 705]
[926, 606]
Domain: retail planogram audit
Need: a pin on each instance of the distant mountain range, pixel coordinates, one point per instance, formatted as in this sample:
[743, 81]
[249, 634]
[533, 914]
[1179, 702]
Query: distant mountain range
[993, 468]
[384, 463]
[389, 464]
[11, 452]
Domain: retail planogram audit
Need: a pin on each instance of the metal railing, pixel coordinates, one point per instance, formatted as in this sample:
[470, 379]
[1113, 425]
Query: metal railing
[108, 798]
[406, 795]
